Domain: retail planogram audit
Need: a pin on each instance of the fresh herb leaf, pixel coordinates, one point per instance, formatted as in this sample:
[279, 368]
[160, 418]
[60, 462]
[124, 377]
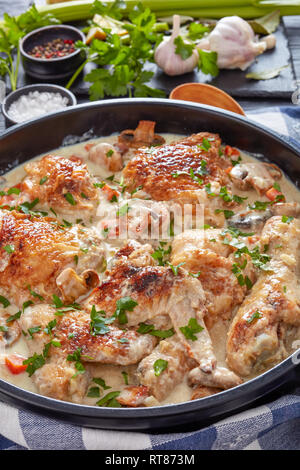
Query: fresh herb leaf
[101, 383]
[125, 376]
[9, 249]
[4, 301]
[208, 62]
[255, 316]
[197, 31]
[184, 49]
[190, 330]
[94, 392]
[145, 328]
[124, 304]
[110, 400]
[43, 180]
[69, 197]
[33, 363]
[159, 366]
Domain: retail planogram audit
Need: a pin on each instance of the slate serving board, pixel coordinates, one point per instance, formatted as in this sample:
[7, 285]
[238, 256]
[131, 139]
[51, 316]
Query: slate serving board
[231, 81]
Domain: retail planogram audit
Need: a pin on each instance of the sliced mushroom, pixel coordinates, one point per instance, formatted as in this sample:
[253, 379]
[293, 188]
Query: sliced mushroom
[11, 332]
[250, 220]
[260, 176]
[142, 136]
[105, 155]
[254, 221]
[72, 286]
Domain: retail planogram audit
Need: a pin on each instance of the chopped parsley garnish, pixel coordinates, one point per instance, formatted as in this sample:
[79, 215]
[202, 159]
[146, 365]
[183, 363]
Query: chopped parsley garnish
[175, 268]
[242, 280]
[53, 211]
[98, 324]
[100, 185]
[10, 191]
[14, 317]
[123, 210]
[109, 400]
[114, 199]
[144, 328]
[3, 328]
[190, 330]
[138, 188]
[33, 330]
[61, 307]
[160, 254]
[76, 357]
[94, 392]
[287, 220]
[124, 304]
[33, 363]
[43, 180]
[52, 324]
[4, 301]
[259, 205]
[35, 294]
[196, 275]
[84, 196]
[109, 153]
[101, 383]
[125, 377]
[206, 145]
[255, 316]
[227, 214]
[69, 197]
[9, 249]
[159, 366]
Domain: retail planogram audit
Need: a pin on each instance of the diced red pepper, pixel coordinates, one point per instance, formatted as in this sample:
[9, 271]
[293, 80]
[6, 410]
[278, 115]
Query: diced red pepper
[14, 363]
[231, 151]
[273, 194]
[109, 192]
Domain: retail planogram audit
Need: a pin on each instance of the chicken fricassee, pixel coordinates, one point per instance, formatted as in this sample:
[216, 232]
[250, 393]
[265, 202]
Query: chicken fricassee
[174, 310]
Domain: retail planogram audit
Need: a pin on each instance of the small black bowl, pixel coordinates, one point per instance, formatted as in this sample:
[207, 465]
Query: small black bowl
[26, 90]
[57, 68]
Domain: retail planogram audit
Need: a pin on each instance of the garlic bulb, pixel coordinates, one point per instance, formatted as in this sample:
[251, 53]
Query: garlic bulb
[166, 57]
[235, 43]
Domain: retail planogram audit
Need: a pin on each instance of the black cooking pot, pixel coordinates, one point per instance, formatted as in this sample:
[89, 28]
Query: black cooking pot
[86, 121]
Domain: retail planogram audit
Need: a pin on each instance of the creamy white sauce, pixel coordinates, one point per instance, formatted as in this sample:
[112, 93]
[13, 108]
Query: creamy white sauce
[113, 374]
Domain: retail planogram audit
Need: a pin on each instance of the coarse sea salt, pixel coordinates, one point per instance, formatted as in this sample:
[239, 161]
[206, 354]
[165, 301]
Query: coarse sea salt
[35, 104]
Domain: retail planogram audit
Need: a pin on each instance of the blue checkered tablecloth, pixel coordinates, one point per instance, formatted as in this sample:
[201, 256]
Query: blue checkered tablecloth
[273, 425]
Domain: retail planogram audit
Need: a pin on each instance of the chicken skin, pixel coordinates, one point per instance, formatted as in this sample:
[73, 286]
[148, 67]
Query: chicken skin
[63, 184]
[156, 290]
[72, 340]
[271, 312]
[178, 364]
[35, 250]
[206, 256]
[180, 171]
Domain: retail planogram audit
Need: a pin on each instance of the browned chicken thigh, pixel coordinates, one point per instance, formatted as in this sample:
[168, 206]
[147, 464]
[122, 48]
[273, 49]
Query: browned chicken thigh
[270, 314]
[157, 291]
[206, 256]
[180, 171]
[74, 339]
[35, 250]
[62, 184]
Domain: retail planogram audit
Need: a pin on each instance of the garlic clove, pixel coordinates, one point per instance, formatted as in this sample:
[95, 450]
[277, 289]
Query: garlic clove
[166, 58]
